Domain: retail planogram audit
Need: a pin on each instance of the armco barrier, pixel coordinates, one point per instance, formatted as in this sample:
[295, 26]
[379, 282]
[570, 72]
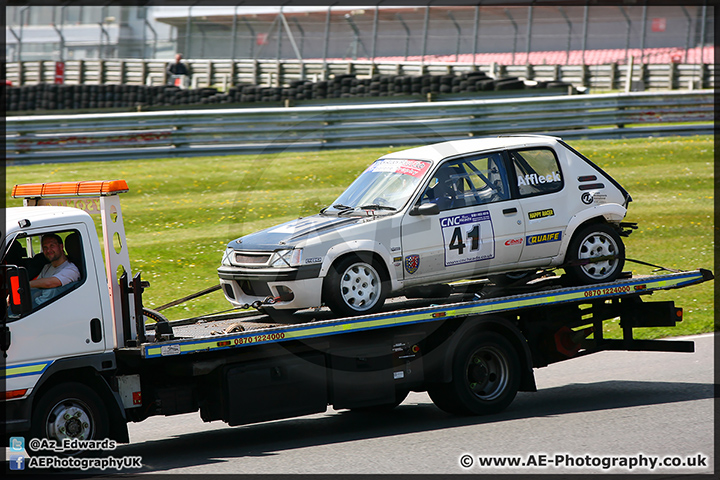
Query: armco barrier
[115, 136]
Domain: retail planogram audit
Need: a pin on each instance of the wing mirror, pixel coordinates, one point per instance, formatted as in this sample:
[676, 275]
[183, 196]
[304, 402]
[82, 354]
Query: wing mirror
[16, 289]
[425, 209]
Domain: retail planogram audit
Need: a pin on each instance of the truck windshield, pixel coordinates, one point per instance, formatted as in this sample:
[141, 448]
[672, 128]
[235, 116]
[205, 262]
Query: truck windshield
[387, 184]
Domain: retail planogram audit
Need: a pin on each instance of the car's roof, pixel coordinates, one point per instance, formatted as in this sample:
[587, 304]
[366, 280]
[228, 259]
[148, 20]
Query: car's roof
[439, 151]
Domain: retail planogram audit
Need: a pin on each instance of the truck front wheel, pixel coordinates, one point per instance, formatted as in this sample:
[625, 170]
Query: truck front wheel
[485, 377]
[70, 411]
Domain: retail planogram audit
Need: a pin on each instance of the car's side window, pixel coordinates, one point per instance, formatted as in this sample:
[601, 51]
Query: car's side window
[469, 181]
[537, 171]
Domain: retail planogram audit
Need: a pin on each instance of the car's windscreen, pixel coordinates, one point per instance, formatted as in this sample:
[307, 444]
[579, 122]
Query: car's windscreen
[387, 185]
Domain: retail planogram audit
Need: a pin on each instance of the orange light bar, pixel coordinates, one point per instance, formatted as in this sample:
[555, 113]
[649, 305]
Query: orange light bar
[62, 189]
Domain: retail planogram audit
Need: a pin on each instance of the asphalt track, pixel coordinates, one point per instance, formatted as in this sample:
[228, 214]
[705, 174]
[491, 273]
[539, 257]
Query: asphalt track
[622, 407]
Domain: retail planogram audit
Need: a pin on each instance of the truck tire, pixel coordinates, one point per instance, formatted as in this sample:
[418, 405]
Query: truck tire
[596, 240]
[485, 377]
[355, 286]
[70, 410]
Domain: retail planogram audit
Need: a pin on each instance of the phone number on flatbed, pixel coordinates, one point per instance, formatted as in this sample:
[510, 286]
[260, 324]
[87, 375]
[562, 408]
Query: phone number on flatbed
[609, 291]
[259, 338]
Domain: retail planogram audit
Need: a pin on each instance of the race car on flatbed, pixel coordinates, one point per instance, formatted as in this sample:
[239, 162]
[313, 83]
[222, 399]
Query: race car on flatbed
[501, 207]
[83, 364]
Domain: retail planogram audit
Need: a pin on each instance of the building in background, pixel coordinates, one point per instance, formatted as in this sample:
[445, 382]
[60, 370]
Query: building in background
[82, 32]
[504, 34]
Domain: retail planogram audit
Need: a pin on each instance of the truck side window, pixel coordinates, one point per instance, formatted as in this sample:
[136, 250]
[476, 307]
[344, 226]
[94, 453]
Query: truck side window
[70, 272]
[537, 171]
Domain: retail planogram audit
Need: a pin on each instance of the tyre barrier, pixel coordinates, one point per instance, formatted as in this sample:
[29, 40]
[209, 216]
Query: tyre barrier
[43, 97]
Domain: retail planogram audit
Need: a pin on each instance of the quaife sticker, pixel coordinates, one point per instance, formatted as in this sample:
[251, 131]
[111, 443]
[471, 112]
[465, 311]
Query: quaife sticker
[548, 212]
[468, 238]
[543, 238]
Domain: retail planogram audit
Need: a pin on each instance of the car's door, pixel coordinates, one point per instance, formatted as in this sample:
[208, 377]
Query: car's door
[479, 227]
[540, 189]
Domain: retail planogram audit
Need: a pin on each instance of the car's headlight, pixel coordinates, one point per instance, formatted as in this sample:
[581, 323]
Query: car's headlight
[286, 258]
[227, 256]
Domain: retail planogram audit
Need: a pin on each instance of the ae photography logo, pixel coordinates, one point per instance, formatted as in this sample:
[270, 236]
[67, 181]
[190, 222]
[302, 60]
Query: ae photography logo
[19, 459]
[614, 463]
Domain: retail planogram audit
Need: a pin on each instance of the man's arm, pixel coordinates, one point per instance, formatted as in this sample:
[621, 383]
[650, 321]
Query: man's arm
[49, 282]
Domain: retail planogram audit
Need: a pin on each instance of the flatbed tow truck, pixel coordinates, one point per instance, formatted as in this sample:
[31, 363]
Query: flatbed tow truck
[87, 362]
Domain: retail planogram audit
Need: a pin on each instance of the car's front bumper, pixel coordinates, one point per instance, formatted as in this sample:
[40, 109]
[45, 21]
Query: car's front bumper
[292, 288]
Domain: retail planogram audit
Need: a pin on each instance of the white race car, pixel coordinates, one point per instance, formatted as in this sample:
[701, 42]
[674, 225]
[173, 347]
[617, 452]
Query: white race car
[488, 207]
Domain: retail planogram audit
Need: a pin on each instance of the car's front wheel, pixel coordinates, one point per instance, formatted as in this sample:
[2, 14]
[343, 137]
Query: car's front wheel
[596, 254]
[355, 286]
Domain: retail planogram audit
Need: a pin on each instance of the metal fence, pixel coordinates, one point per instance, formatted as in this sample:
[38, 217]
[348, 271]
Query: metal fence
[88, 137]
[226, 73]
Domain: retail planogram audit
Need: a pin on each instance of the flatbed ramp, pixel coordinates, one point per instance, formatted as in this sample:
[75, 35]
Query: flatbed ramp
[214, 339]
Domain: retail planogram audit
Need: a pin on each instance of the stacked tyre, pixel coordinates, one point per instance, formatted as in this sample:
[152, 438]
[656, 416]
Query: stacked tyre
[43, 97]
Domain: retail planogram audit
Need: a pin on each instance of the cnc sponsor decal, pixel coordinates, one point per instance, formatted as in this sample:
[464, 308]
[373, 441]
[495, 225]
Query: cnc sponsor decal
[412, 263]
[414, 168]
[468, 238]
[313, 260]
[535, 179]
[544, 238]
[548, 212]
[514, 241]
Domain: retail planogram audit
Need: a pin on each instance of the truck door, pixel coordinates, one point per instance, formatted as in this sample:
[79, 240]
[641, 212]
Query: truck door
[65, 323]
[479, 227]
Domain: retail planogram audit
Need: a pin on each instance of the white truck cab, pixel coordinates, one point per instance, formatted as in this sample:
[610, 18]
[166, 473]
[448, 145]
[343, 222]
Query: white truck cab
[79, 322]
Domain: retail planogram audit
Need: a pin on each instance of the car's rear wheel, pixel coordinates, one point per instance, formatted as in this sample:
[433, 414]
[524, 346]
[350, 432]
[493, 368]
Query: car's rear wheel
[355, 286]
[596, 254]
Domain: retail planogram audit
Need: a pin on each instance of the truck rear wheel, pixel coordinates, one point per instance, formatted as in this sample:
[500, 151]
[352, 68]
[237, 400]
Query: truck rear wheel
[70, 411]
[485, 377]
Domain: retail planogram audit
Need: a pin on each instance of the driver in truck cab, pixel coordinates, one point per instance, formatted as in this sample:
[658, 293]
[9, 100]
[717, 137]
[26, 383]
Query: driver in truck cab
[59, 272]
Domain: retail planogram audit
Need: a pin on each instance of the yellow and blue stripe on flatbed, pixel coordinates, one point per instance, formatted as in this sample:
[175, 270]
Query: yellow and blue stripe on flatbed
[617, 289]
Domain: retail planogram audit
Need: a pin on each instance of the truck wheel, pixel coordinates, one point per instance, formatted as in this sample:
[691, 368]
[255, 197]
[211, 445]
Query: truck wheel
[70, 410]
[597, 240]
[485, 377]
[354, 286]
